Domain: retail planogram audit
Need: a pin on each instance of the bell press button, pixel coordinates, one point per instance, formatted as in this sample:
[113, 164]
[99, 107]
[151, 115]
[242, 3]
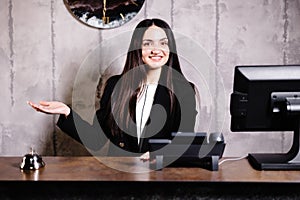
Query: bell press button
[121, 144]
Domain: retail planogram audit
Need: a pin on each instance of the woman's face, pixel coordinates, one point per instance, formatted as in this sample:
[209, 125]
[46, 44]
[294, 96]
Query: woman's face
[155, 48]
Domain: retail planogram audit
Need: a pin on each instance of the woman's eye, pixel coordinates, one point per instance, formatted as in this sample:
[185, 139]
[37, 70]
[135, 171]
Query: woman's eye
[164, 43]
[146, 44]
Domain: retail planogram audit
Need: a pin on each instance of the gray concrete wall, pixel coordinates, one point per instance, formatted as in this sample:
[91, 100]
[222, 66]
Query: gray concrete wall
[44, 52]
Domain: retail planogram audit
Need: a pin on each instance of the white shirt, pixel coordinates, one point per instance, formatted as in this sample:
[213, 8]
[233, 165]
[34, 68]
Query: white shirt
[143, 108]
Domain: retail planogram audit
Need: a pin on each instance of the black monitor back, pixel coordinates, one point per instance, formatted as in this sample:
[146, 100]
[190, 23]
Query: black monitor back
[251, 107]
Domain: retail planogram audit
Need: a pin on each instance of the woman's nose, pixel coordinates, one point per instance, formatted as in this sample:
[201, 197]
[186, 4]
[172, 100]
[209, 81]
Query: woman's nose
[155, 50]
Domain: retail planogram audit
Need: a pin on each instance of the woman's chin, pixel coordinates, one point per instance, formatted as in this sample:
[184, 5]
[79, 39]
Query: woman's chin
[155, 65]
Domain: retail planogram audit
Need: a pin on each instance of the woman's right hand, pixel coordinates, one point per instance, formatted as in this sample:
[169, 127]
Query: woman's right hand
[51, 107]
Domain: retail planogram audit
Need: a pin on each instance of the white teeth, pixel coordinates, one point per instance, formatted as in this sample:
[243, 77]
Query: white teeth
[155, 56]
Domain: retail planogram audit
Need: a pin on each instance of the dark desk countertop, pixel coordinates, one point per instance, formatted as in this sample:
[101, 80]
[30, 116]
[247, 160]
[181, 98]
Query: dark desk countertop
[123, 177]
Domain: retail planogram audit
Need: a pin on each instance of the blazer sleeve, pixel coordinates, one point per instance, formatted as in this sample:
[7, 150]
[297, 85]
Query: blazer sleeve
[92, 135]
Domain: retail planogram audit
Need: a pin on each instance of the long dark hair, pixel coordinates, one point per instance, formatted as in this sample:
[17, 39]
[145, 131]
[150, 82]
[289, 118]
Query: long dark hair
[134, 76]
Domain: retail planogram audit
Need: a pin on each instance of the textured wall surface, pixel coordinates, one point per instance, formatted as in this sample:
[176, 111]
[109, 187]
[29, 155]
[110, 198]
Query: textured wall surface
[44, 51]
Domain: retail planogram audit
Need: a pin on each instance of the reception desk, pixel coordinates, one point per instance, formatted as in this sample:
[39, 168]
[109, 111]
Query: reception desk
[127, 177]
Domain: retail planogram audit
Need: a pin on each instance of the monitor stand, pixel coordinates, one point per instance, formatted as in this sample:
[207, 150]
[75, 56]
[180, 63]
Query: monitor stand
[279, 161]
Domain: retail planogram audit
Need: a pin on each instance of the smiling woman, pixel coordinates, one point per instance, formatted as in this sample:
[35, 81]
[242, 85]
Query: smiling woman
[151, 98]
[104, 13]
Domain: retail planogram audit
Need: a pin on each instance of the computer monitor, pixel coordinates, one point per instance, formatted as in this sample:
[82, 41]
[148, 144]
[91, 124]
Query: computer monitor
[267, 98]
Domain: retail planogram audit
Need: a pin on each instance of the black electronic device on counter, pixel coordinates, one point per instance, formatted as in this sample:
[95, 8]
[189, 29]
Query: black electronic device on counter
[187, 149]
[267, 98]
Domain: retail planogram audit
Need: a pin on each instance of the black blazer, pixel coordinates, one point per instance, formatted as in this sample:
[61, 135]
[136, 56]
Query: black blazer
[159, 125]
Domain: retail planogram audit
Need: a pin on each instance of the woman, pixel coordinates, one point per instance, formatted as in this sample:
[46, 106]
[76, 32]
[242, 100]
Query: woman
[150, 99]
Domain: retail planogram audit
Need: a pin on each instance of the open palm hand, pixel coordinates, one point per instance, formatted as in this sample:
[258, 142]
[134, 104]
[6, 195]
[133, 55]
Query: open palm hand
[51, 107]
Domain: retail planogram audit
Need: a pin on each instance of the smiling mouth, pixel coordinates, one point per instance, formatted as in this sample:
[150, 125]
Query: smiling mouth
[156, 58]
